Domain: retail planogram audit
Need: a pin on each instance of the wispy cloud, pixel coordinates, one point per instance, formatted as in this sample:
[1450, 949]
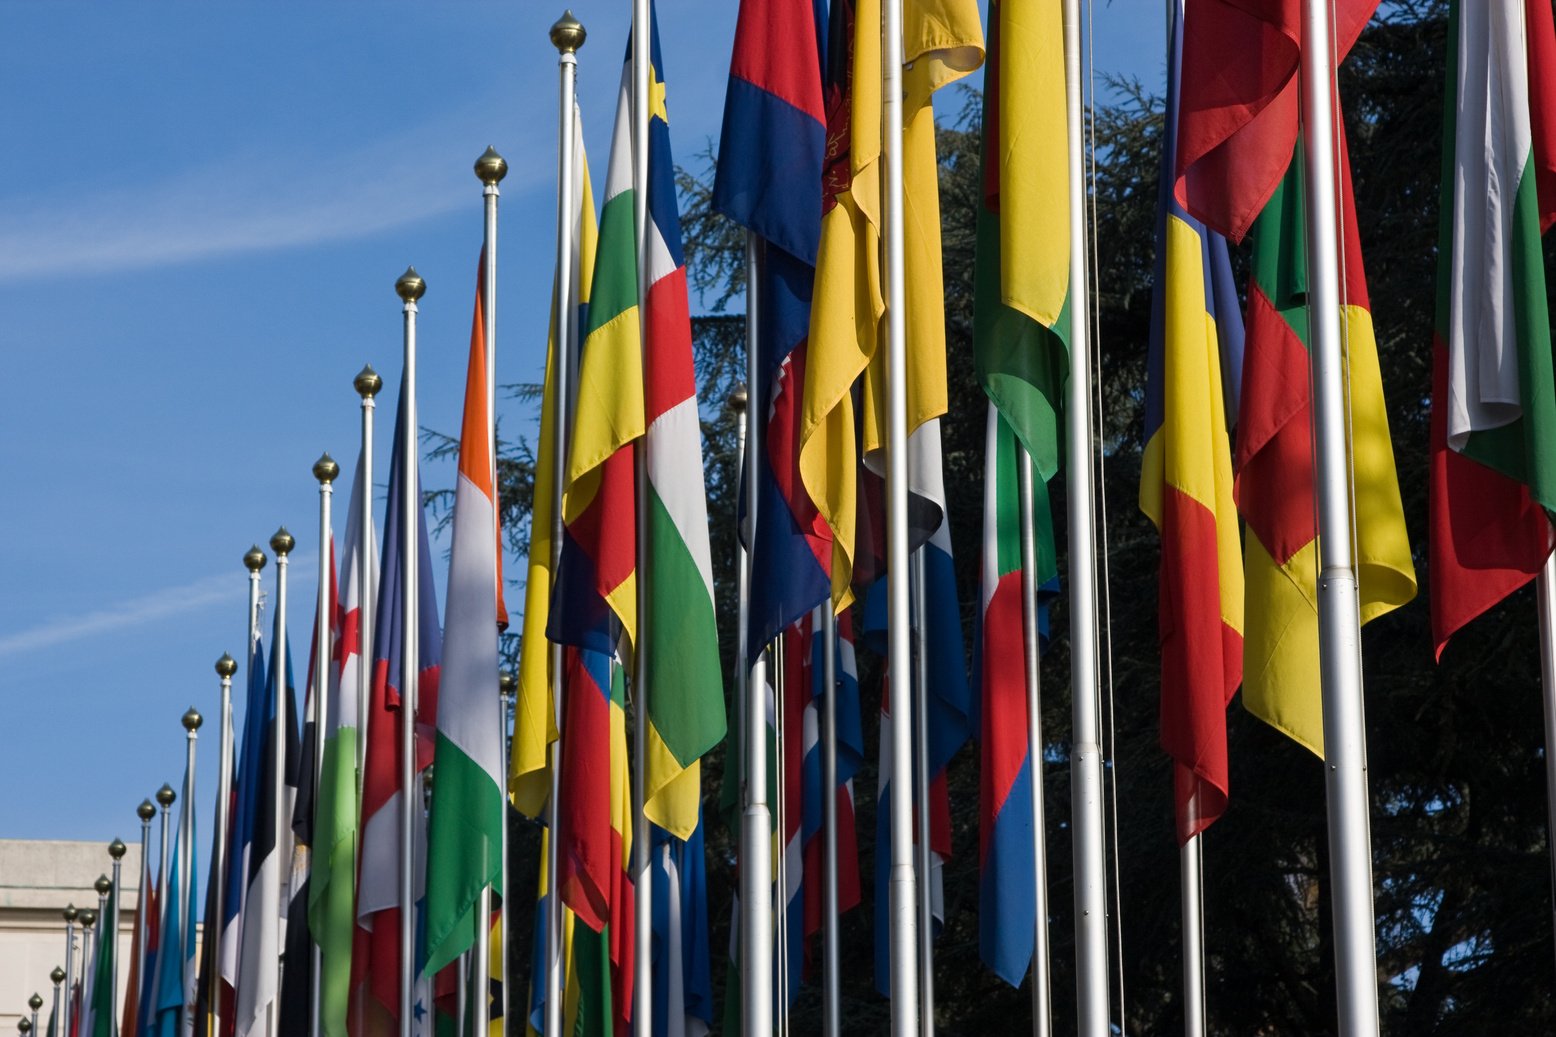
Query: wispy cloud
[134, 612]
[259, 200]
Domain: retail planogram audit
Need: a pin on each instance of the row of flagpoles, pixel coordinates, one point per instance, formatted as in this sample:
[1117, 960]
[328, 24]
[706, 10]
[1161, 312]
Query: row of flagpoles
[348, 891]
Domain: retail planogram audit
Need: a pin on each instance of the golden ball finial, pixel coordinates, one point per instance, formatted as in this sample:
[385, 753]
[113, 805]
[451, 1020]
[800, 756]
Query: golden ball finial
[146, 811]
[103, 885]
[24, 1024]
[325, 469]
[117, 849]
[507, 682]
[410, 286]
[739, 399]
[226, 666]
[70, 913]
[282, 543]
[567, 35]
[254, 559]
[36, 1001]
[57, 975]
[166, 795]
[192, 719]
[491, 167]
[367, 383]
[87, 917]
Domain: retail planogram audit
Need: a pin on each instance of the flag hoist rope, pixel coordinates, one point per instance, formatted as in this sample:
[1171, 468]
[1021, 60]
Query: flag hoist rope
[903, 898]
[1339, 650]
[567, 35]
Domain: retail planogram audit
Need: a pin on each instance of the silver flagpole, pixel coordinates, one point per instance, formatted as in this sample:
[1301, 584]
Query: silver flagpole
[88, 918]
[191, 721]
[831, 943]
[57, 976]
[919, 772]
[70, 914]
[325, 470]
[904, 922]
[643, 984]
[567, 35]
[226, 666]
[490, 168]
[482, 957]
[36, 1002]
[1339, 642]
[104, 886]
[165, 799]
[739, 401]
[410, 287]
[146, 811]
[1042, 996]
[1190, 864]
[756, 862]
[462, 1001]
[281, 543]
[367, 383]
[1545, 595]
[1091, 923]
[116, 850]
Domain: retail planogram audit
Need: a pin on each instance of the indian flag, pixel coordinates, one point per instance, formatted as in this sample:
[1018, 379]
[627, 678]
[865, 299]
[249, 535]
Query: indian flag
[1493, 405]
[464, 840]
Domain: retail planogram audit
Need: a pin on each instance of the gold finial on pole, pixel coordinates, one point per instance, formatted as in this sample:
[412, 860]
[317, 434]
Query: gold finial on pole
[36, 1001]
[103, 885]
[325, 469]
[410, 286]
[146, 811]
[254, 559]
[282, 543]
[24, 1025]
[192, 719]
[57, 975]
[568, 34]
[739, 399]
[166, 795]
[226, 666]
[367, 383]
[86, 916]
[70, 913]
[507, 682]
[491, 167]
[117, 849]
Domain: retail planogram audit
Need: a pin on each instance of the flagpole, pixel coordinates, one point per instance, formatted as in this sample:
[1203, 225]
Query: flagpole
[35, 1002]
[226, 666]
[104, 886]
[1339, 646]
[146, 811]
[756, 863]
[367, 383]
[88, 952]
[410, 287]
[1190, 859]
[281, 543]
[1545, 595]
[325, 470]
[1091, 923]
[57, 976]
[191, 721]
[904, 923]
[165, 799]
[70, 914]
[567, 35]
[643, 985]
[116, 850]
[919, 773]
[831, 943]
[1042, 996]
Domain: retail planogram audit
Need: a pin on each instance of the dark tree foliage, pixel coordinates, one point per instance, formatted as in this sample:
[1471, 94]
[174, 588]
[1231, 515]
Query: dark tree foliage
[1462, 876]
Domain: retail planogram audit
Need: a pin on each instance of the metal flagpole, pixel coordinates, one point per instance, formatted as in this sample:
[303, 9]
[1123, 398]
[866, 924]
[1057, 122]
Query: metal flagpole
[226, 666]
[643, 985]
[1339, 622]
[410, 287]
[756, 862]
[146, 811]
[367, 383]
[919, 773]
[1545, 595]
[482, 961]
[57, 976]
[36, 1002]
[567, 35]
[116, 850]
[325, 470]
[88, 918]
[191, 721]
[1091, 927]
[1042, 996]
[104, 886]
[831, 944]
[1190, 881]
[165, 799]
[281, 543]
[904, 923]
[490, 168]
[71, 914]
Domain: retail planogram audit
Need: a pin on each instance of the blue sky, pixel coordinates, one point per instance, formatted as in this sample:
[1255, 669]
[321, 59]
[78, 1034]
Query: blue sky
[203, 210]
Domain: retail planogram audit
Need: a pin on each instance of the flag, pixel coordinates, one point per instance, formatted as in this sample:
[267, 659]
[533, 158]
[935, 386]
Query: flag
[1274, 465]
[771, 153]
[145, 908]
[297, 956]
[1239, 100]
[1186, 490]
[260, 933]
[535, 720]
[535, 1020]
[375, 956]
[173, 985]
[684, 675]
[847, 304]
[465, 829]
[332, 893]
[1493, 404]
[682, 971]
[250, 765]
